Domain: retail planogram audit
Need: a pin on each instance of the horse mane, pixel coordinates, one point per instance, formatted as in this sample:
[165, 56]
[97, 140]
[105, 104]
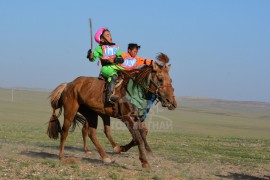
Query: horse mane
[163, 58]
[138, 75]
[143, 73]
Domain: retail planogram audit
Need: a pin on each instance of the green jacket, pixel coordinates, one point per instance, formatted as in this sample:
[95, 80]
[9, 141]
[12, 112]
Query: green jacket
[106, 51]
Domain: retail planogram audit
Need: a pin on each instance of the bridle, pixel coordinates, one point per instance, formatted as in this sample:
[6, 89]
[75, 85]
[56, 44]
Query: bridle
[156, 92]
[158, 86]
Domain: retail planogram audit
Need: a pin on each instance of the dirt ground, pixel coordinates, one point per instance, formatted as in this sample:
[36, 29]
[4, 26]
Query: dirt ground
[31, 162]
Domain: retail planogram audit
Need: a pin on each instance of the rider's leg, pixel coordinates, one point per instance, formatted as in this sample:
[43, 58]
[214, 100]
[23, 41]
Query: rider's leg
[110, 72]
[110, 96]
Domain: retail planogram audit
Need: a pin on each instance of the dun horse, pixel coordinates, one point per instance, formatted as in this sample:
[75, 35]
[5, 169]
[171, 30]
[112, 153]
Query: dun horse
[85, 95]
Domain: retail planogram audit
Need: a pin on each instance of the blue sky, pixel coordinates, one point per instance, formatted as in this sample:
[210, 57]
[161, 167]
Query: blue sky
[218, 49]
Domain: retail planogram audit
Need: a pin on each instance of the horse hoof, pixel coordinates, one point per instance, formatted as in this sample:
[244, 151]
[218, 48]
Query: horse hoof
[146, 166]
[117, 149]
[86, 151]
[107, 160]
[123, 149]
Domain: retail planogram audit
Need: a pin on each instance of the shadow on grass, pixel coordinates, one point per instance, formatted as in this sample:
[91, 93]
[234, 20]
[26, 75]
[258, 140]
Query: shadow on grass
[122, 154]
[237, 176]
[68, 159]
[44, 155]
[34, 154]
[70, 148]
[80, 149]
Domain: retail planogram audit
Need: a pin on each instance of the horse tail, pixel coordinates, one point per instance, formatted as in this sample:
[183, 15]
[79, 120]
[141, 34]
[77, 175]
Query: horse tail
[56, 97]
[54, 126]
[78, 119]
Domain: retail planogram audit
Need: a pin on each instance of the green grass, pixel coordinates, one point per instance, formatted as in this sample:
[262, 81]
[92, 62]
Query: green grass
[201, 131]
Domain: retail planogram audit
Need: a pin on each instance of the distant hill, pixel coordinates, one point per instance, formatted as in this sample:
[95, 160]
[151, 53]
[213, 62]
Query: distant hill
[184, 101]
[29, 89]
[206, 103]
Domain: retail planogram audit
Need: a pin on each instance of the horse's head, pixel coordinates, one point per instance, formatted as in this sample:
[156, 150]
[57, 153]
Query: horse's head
[162, 82]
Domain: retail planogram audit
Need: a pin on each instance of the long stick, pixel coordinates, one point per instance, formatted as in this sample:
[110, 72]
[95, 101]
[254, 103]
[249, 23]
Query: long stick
[91, 36]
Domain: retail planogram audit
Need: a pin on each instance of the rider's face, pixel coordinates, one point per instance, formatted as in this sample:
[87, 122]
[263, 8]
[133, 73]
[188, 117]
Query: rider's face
[107, 35]
[133, 52]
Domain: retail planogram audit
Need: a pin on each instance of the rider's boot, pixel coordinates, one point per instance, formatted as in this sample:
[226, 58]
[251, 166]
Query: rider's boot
[111, 98]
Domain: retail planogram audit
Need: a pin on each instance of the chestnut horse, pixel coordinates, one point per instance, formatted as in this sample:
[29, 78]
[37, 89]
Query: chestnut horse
[86, 96]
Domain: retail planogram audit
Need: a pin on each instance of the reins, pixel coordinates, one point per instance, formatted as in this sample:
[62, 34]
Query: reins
[138, 82]
[144, 86]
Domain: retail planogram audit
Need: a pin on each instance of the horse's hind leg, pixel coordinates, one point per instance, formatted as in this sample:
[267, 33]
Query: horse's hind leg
[70, 111]
[92, 118]
[107, 131]
[85, 133]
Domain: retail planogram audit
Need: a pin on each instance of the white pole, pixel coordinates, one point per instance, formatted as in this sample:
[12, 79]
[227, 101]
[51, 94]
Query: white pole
[12, 92]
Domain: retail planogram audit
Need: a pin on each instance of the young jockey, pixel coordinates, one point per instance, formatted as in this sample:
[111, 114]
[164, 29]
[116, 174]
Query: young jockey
[131, 60]
[109, 54]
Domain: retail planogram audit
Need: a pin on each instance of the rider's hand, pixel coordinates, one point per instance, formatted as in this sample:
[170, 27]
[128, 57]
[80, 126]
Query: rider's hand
[89, 54]
[111, 60]
[119, 60]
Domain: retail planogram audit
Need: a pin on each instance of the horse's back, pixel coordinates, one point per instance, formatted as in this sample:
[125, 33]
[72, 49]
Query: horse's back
[86, 82]
[88, 89]
[86, 79]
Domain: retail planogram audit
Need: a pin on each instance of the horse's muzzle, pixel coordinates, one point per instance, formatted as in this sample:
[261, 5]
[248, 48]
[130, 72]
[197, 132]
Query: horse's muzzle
[171, 107]
[168, 104]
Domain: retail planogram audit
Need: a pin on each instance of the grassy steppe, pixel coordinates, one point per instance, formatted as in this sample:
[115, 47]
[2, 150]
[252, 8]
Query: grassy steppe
[202, 138]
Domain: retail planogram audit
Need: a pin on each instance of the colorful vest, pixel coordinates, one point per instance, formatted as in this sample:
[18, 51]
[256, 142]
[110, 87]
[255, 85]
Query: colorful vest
[109, 51]
[129, 63]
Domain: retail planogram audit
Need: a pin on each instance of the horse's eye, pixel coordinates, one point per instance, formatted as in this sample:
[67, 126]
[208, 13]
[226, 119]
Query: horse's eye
[160, 80]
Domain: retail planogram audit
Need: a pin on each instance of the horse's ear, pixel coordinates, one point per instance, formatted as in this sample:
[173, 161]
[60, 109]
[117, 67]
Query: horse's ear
[169, 67]
[155, 66]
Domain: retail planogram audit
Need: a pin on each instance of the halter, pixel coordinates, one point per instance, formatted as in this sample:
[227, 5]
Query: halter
[158, 86]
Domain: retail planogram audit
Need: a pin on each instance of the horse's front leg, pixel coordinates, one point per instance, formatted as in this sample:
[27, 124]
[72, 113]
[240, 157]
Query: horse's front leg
[137, 138]
[126, 147]
[143, 131]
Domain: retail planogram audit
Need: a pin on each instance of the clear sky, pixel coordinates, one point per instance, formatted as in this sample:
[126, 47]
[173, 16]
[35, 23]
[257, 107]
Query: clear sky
[218, 49]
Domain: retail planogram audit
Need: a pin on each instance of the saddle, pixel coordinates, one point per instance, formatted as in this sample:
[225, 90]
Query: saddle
[116, 91]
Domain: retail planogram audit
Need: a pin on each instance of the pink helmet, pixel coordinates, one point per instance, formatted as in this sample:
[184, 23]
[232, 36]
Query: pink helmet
[98, 34]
